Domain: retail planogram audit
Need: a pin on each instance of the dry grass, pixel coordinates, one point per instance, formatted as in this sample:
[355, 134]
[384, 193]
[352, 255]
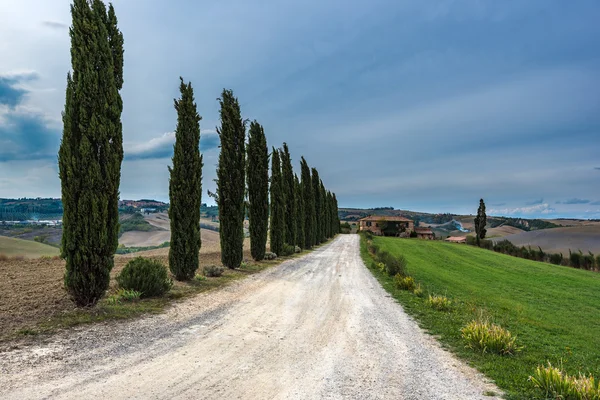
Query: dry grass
[13, 247]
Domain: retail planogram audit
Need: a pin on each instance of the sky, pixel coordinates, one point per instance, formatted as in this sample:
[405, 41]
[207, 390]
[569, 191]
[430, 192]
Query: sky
[425, 106]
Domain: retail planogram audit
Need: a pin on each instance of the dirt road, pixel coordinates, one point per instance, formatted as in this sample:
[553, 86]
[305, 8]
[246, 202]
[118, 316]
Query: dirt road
[312, 328]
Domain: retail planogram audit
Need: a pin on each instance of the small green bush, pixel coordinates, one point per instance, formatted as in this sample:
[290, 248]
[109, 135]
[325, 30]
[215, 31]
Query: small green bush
[297, 249]
[368, 235]
[440, 303]
[213, 271]
[404, 282]
[288, 249]
[556, 259]
[587, 261]
[575, 259]
[270, 255]
[124, 295]
[556, 384]
[199, 278]
[149, 277]
[413, 234]
[393, 265]
[486, 337]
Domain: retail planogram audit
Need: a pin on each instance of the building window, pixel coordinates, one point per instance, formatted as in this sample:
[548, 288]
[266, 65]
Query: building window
[368, 223]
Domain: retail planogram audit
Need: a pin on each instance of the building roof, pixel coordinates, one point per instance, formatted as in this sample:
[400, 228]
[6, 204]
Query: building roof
[456, 239]
[424, 231]
[385, 218]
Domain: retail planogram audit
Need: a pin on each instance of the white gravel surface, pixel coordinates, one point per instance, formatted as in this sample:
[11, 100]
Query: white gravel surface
[318, 327]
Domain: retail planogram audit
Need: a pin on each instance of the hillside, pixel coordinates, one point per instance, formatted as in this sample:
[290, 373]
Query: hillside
[560, 240]
[14, 247]
[552, 310]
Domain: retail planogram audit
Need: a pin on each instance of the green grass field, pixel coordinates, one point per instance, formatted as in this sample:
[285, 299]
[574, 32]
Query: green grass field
[13, 247]
[554, 311]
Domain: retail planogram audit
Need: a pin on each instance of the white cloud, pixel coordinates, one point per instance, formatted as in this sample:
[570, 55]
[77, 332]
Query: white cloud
[519, 211]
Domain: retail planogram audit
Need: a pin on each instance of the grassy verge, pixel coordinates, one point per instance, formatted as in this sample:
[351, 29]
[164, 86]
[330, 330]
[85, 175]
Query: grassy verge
[552, 310]
[106, 310]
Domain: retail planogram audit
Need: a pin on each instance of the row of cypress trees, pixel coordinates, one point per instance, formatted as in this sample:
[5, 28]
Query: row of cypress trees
[302, 213]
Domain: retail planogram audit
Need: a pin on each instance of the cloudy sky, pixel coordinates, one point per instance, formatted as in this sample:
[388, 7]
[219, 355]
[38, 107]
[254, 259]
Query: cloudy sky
[417, 105]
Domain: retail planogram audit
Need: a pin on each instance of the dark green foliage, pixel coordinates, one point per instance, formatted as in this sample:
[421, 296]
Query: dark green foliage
[289, 193]
[91, 151]
[300, 236]
[480, 222]
[309, 206]
[146, 276]
[277, 231]
[230, 180]
[270, 255]
[556, 259]
[336, 215]
[288, 250]
[587, 261]
[316, 183]
[393, 265]
[345, 228]
[185, 188]
[413, 234]
[258, 190]
[135, 223]
[213, 271]
[575, 259]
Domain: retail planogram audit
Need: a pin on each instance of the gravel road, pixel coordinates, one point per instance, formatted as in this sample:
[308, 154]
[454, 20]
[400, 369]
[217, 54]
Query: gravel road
[318, 327]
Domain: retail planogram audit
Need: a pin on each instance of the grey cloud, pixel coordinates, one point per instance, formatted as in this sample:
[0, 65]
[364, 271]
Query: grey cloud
[55, 25]
[574, 201]
[162, 146]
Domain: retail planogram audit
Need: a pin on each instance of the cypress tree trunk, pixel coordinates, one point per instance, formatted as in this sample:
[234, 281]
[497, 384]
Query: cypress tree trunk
[309, 205]
[185, 188]
[91, 151]
[258, 190]
[231, 181]
[289, 196]
[300, 237]
[316, 182]
[277, 231]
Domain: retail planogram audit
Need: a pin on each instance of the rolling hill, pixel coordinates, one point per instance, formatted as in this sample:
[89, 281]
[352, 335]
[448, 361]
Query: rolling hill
[14, 247]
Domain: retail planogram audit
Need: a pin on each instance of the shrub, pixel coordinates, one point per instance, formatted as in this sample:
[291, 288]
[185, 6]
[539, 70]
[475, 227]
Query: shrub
[556, 384]
[213, 271]
[297, 249]
[556, 259]
[368, 235]
[487, 337]
[199, 278]
[440, 303]
[123, 295]
[418, 291]
[374, 249]
[506, 247]
[404, 282]
[288, 249]
[144, 275]
[381, 266]
[575, 259]
[413, 234]
[393, 265]
[587, 261]
[270, 255]
[598, 261]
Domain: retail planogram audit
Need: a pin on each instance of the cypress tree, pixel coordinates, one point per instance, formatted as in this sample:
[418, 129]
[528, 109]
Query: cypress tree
[309, 205]
[300, 237]
[277, 231]
[289, 193]
[258, 190]
[336, 215]
[480, 222]
[323, 212]
[231, 180]
[316, 182]
[185, 188]
[91, 151]
[329, 214]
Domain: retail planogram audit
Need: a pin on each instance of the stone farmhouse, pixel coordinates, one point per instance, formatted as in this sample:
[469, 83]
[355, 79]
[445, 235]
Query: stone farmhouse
[392, 226]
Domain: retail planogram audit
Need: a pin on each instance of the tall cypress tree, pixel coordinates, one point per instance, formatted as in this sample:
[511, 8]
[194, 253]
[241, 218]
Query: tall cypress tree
[328, 214]
[277, 231]
[231, 180]
[323, 212]
[316, 182]
[480, 222]
[289, 193]
[336, 216]
[309, 205]
[185, 188]
[91, 151]
[300, 237]
[258, 190]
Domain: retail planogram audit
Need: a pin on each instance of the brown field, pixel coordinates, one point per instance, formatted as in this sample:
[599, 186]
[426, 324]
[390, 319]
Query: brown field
[32, 290]
[560, 240]
[502, 231]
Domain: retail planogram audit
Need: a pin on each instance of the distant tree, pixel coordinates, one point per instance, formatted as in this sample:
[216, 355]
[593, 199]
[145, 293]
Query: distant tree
[316, 182]
[277, 231]
[300, 218]
[309, 205]
[185, 188]
[289, 192]
[480, 222]
[91, 151]
[258, 190]
[230, 180]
